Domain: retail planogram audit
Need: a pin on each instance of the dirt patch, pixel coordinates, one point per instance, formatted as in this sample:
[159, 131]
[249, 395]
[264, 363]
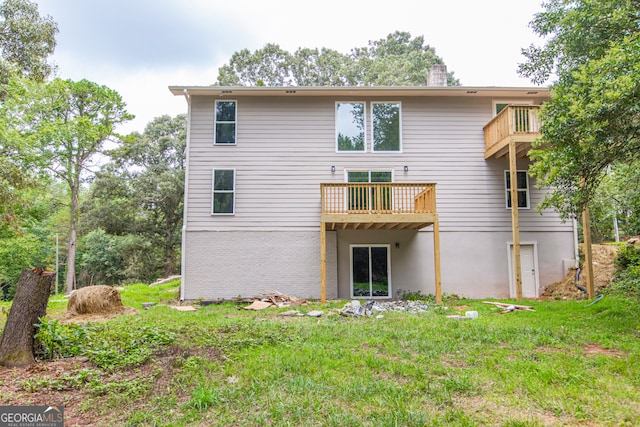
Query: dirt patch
[604, 257]
[597, 349]
[83, 318]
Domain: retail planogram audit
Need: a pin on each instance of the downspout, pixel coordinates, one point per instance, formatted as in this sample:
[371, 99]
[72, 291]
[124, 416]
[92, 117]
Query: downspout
[183, 255]
[576, 251]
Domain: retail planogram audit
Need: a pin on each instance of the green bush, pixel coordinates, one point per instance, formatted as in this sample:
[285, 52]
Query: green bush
[16, 254]
[109, 347]
[628, 256]
[626, 282]
[55, 340]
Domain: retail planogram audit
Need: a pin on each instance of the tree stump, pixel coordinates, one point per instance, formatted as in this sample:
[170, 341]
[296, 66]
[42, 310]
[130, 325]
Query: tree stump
[29, 305]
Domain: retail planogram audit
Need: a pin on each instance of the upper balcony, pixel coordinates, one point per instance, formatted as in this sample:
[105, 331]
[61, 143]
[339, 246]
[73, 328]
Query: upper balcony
[378, 206]
[518, 123]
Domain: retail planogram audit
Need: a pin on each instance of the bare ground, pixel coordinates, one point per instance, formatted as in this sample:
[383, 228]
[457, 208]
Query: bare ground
[604, 268]
[58, 383]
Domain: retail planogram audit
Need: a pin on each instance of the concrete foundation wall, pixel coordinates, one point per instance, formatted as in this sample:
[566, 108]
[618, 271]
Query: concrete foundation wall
[227, 264]
[231, 263]
[473, 265]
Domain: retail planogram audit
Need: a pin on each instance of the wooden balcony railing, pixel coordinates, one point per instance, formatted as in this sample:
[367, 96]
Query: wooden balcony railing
[378, 198]
[519, 122]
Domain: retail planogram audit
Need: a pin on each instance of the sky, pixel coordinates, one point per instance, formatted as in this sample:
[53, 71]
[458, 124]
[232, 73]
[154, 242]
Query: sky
[140, 47]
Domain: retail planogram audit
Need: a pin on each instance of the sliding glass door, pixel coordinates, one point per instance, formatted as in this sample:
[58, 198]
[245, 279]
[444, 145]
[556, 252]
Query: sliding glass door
[370, 271]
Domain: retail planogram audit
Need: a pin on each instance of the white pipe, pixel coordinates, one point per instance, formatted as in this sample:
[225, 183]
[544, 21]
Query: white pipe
[183, 251]
[576, 251]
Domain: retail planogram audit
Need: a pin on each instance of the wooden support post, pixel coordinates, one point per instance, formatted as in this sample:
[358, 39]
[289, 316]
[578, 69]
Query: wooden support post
[323, 262]
[436, 260]
[515, 226]
[588, 258]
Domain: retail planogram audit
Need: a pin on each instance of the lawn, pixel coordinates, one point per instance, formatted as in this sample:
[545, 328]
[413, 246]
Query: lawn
[566, 363]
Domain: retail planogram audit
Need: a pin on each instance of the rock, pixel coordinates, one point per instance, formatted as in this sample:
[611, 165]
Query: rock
[356, 309]
[315, 313]
[289, 313]
[146, 305]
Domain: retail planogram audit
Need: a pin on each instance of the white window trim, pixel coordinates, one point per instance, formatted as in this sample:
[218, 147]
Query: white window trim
[507, 190]
[370, 245]
[369, 171]
[373, 150]
[215, 123]
[335, 110]
[213, 191]
[495, 102]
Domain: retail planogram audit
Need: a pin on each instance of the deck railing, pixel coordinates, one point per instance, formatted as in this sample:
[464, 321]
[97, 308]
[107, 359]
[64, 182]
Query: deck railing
[378, 198]
[512, 120]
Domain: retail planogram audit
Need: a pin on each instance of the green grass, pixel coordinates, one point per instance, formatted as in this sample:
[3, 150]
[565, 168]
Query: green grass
[564, 364]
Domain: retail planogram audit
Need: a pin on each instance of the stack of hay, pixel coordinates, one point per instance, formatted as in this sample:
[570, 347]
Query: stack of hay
[99, 299]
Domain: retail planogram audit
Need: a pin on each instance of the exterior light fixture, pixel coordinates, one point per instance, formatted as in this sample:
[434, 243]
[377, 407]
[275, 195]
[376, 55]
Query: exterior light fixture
[406, 168]
[333, 169]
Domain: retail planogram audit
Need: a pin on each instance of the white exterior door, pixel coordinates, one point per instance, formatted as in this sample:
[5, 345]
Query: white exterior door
[528, 269]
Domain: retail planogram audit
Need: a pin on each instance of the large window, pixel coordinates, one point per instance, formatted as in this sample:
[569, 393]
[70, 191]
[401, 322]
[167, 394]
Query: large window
[522, 181]
[350, 126]
[351, 133]
[225, 122]
[385, 120]
[223, 197]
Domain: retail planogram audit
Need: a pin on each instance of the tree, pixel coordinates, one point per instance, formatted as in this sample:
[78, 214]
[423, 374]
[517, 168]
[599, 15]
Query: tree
[141, 193]
[159, 155]
[66, 123]
[593, 118]
[26, 41]
[397, 60]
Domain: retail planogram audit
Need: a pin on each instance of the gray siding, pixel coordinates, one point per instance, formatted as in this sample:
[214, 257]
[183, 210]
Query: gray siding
[286, 147]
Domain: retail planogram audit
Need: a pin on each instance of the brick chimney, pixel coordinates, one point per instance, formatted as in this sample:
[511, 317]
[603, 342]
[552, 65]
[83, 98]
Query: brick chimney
[437, 75]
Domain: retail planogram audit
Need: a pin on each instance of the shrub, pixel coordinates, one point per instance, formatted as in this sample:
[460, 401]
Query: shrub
[626, 282]
[628, 256]
[109, 347]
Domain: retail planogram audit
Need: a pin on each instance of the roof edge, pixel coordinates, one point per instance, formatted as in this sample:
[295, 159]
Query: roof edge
[492, 91]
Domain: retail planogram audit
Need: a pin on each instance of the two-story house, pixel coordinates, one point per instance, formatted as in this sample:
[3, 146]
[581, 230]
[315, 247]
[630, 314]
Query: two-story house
[366, 192]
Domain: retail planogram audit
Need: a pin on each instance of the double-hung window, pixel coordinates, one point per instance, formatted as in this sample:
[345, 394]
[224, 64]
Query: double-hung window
[223, 194]
[385, 121]
[225, 122]
[350, 128]
[522, 181]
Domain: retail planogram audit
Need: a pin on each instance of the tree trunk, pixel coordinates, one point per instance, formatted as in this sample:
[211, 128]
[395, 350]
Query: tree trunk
[73, 236]
[169, 262]
[29, 305]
